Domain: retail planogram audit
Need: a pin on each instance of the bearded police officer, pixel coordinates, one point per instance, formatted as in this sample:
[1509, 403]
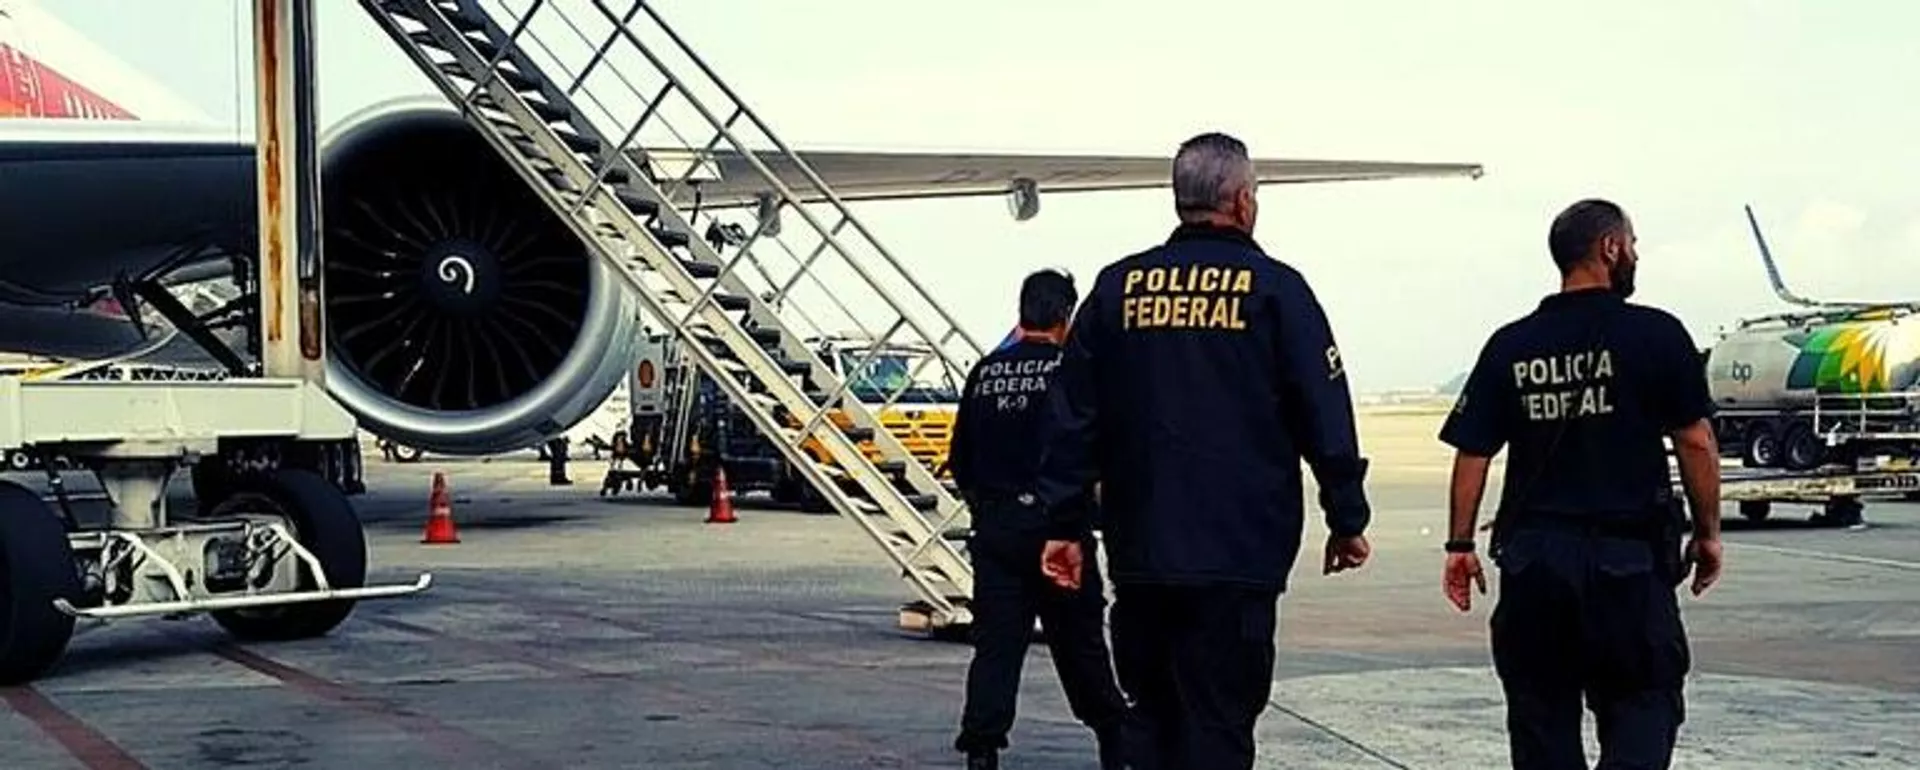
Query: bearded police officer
[1198, 374]
[994, 454]
[1588, 531]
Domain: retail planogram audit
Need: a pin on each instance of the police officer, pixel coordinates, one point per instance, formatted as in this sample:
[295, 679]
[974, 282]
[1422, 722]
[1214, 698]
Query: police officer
[994, 453]
[1587, 533]
[1197, 375]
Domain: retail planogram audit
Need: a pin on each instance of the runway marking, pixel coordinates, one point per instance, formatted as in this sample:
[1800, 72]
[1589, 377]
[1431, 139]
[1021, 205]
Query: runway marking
[1830, 556]
[462, 745]
[86, 745]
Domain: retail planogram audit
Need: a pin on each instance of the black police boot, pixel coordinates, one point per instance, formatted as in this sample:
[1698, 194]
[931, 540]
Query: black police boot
[983, 759]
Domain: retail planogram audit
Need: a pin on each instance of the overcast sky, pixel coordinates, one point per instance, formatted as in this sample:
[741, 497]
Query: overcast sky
[1682, 112]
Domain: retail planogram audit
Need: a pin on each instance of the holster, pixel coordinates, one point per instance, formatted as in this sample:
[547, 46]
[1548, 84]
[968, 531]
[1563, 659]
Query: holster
[1669, 546]
[1497, 532]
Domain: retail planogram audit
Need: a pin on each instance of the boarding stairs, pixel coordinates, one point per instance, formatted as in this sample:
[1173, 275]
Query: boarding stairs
[579, 97]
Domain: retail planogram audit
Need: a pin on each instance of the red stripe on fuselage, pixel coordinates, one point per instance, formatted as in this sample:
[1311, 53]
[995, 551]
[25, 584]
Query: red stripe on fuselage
[29, 89]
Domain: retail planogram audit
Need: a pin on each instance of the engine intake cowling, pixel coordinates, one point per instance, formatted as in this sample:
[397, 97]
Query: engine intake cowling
[463, 316]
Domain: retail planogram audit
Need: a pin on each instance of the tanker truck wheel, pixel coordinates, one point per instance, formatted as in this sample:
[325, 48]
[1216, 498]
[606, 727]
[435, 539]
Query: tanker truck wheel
[1801, 449]
[1763, 446]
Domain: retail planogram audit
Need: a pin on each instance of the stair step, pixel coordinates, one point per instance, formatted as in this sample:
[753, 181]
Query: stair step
[483, 46]
[673, 239]
[425, 39]
[577, 143]
[636, 204]
[703, 270]
[461, 19]
[547, 110]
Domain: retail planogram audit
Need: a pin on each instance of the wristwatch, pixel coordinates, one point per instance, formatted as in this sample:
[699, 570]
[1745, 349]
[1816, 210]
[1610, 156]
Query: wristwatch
[1459, 546]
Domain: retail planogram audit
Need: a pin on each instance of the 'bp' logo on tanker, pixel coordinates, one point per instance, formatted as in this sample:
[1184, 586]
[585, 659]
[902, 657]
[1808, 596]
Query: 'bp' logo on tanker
[1740, 372]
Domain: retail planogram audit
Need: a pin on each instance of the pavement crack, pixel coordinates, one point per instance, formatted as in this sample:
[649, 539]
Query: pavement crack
[1339, 736]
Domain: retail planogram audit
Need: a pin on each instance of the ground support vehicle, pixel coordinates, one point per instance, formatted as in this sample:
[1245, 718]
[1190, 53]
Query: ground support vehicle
[336, 461]
[280, 555]
[1839, 492]
[695, 429]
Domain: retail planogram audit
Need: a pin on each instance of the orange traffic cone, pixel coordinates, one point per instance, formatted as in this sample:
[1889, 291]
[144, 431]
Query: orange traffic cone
[720, 511]
[440, 529]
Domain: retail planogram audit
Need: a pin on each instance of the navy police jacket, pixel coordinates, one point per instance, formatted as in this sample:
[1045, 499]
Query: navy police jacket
[1196, 376]
[995, 450]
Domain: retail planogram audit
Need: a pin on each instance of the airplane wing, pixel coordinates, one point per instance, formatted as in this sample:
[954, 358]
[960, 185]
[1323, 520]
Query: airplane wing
[161, 185]
[729, 179]
[87, 200]
[92, 200]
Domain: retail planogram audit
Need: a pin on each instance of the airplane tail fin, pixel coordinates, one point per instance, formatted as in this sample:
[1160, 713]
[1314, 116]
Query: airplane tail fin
[1780, 285]
[1773, 270]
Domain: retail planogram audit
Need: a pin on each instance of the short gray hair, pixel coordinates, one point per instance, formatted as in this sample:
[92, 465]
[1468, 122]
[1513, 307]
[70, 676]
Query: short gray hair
[1209, 168]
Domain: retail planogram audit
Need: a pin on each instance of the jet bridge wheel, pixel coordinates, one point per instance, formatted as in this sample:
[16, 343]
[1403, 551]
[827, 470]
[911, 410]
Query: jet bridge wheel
[36, 567]
[320, 515]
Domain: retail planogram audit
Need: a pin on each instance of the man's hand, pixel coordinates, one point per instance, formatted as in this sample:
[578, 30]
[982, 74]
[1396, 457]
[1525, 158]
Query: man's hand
[1463, 568]
[1345, 553]
[1703, 558]
[1060, 562]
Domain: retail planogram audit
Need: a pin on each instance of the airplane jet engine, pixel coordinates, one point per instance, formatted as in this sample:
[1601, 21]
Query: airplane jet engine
[463, 316]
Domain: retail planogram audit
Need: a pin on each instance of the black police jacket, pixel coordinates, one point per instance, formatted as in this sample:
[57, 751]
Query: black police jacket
[1196, 376]
[994, 452]
[1584, 389]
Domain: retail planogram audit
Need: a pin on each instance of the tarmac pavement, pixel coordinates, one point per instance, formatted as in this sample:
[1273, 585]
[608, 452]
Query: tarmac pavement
[567, 630]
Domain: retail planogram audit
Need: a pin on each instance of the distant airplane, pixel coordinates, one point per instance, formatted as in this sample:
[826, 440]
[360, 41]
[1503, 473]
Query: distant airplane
[112, 181]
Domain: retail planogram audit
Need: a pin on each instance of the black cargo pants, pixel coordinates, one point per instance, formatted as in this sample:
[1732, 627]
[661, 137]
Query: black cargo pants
[1009, 591]
[1198, 663]
[1581, 614]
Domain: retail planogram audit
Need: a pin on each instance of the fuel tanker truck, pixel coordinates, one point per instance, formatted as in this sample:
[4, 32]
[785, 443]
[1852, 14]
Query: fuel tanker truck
[1831, 383]
[1803, 390]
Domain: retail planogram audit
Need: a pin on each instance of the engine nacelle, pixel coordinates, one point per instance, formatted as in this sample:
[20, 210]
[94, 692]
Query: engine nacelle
[463, 317]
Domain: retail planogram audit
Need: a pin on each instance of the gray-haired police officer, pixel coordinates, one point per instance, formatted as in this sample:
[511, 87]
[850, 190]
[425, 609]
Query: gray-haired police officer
[1197, 375]
[994, 454]
[1587, 536]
